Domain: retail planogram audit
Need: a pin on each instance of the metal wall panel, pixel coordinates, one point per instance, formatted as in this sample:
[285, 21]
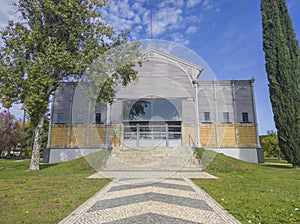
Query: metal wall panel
[244, 102]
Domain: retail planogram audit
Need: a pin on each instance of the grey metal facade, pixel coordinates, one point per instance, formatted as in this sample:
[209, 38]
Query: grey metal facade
[228, 102]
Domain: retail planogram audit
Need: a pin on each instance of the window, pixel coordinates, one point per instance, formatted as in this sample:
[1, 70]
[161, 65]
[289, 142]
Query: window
[60, 118]
[206, 116]
[226, 117]
[98, 118]
[245, 117]
[152, 110]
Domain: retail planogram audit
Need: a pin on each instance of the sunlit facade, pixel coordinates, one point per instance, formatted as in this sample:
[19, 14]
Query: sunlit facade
[158, 111]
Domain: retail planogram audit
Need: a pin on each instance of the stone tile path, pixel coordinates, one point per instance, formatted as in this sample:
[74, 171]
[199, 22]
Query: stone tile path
[150, 197]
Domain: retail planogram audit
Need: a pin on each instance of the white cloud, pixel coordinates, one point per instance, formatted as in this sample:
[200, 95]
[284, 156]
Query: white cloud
[179, 38]
[146, 18]
[168, 17]
[172, 3]
[191, 29]
[207, 5]
[138, 8]
[192, 3]
[123, 16]
[7, 12]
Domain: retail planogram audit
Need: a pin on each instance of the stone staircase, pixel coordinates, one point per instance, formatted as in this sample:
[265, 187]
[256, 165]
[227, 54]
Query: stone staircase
[152, 159]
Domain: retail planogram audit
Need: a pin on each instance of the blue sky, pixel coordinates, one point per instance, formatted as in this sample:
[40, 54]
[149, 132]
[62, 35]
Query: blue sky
[226, 34]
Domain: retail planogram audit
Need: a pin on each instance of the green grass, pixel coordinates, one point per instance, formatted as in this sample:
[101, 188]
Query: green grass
[48, 195]
[254, 193]
[275, 160]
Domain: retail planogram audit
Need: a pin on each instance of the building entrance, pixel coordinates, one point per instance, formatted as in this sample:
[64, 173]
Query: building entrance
[152, 122]
[141, 134]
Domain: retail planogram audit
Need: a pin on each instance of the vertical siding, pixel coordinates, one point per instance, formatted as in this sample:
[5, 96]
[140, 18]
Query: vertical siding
[70, 100]
[244, 103]
[188, 111]
[206, 102]
[160, 79]
[117, 112]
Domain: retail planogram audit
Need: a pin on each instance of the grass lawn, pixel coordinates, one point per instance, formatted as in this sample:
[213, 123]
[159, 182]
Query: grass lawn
[48, 195]
[254, 193]
[275, 160]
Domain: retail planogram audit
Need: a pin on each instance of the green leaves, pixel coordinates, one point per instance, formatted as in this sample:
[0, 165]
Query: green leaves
[283, 67]
[112, 69]
[57, 41]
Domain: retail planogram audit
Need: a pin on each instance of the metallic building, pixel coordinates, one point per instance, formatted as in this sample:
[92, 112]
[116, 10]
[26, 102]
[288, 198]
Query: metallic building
[161, 109]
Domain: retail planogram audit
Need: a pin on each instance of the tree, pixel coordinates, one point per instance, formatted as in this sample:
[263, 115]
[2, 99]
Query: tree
[282, 57]
[269, 143]
[55, 41]
[9, 132]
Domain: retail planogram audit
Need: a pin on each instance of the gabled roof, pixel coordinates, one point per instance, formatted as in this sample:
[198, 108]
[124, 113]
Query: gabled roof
[153, 52]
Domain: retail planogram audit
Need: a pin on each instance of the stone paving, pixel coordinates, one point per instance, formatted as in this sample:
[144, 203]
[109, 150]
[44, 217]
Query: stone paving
[150, 197]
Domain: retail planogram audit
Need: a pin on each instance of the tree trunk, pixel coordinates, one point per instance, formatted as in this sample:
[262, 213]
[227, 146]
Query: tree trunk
[37, 143]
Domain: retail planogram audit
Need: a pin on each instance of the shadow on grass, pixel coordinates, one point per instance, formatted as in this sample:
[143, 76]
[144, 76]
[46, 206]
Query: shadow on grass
[45, 166]
[94, 160]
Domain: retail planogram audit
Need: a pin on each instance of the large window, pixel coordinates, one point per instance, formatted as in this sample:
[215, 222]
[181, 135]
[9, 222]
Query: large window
[152, 110]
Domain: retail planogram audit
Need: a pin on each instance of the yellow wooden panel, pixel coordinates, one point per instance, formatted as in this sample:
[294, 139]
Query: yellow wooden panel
[188, 134]
[80, 134]
[116, 139]
[247, 135]
[208, 135]
[227, 136]
[59, 136]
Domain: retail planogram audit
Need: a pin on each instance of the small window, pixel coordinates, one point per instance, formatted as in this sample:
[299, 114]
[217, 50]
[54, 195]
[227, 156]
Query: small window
[206, 116]
[226, 117]
[60, 118]
[245, 117]
[98, 118]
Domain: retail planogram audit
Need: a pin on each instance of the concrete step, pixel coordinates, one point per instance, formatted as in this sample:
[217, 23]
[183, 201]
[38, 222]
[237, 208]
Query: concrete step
[160, 158]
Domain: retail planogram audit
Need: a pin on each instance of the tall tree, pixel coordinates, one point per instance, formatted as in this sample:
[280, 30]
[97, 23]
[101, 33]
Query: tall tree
[282, 56]
[9, 131]
[55, 41]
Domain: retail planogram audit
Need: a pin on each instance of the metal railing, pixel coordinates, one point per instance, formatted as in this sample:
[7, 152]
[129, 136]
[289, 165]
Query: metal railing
[151, 132]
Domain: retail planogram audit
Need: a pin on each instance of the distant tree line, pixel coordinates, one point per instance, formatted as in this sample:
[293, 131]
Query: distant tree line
[16, 137]
[269, 143]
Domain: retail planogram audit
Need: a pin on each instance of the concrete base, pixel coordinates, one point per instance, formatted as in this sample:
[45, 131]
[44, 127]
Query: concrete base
[245, 154]
[63, 155]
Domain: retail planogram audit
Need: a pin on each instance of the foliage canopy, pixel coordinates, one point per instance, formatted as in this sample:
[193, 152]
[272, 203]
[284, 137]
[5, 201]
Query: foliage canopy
[283, 68]
[55, 42]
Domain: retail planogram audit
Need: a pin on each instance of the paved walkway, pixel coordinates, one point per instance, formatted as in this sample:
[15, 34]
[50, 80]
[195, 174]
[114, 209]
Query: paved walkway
[150, 197]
